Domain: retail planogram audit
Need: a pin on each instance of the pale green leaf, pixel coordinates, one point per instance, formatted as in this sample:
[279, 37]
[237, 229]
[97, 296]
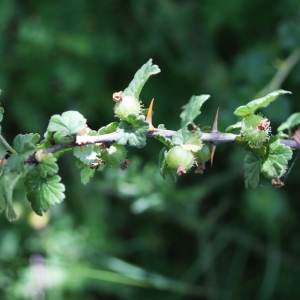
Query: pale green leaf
[252, 106]
[163, 166]
[276, 161]
[133, 133]
[87, 154]
[43, 192]
[291, 122]
[1, 113]
[140, 78]
[183, 136]
[252, 164]
[86, 172]
[192, 109]
[234, 126]
[111, 127]
[70, 122]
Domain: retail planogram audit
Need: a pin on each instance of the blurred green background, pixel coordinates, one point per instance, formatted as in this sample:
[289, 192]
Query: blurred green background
[130, 234]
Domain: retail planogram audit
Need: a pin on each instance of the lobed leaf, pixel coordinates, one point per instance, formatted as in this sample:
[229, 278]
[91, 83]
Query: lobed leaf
[133, 133]
[252, 165]
[164, 140]
[70, 122]
[86, 172]
[183, 136]
[291, 122]
[275, 163]
[140, 78]
[192, 109]
[87, 154]
[43, 192]
[252, 106]
[47, 166]
[25, 144]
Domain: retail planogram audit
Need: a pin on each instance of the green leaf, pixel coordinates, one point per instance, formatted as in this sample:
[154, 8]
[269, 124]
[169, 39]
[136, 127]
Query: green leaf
[6, 191]
[275, 163]
[234, 126]
[111, 127]
[252, 106]
[140, 78]
[163, 166]
[183, 136]
[15, 164]
[70, 122]
[252, 164]
[192, 145]
[132, 132]
[86, 172]
[87, 154]
[1, 113]
[47, 166]
[192, 109]
[164, 140]
[291, 122]
[25, 144]
[43, 192]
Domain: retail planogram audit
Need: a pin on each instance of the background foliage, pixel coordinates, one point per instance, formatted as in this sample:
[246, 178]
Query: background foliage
[130, 234]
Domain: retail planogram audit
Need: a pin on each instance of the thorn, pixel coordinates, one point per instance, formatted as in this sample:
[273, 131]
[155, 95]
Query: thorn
[149, 117]
[215, 125]
[214, 129]
[212, 153]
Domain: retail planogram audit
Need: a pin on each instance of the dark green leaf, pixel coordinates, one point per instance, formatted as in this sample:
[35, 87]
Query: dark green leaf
[252, 106]
[47, 166]
[70, 122]
[43, 192]
[192, 109]
[252, 164]
[140, 78]
[133, 133]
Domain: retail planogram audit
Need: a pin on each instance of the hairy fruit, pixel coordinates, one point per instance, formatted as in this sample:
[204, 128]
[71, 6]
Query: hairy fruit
[179, 159]
[255, 129]
[127, 105]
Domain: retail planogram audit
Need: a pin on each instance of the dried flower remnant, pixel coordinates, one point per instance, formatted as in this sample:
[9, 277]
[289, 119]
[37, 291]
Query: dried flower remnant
[117, 96]
[264, 125]
[277, 183]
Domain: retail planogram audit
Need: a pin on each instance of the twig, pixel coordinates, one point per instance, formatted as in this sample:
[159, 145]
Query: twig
[214, 137]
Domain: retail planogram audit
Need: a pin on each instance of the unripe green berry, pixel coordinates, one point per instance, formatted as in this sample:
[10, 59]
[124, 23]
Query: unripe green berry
[126, 106]
[114, 155]
[255, 129]
[179, 159]
[203, 154]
